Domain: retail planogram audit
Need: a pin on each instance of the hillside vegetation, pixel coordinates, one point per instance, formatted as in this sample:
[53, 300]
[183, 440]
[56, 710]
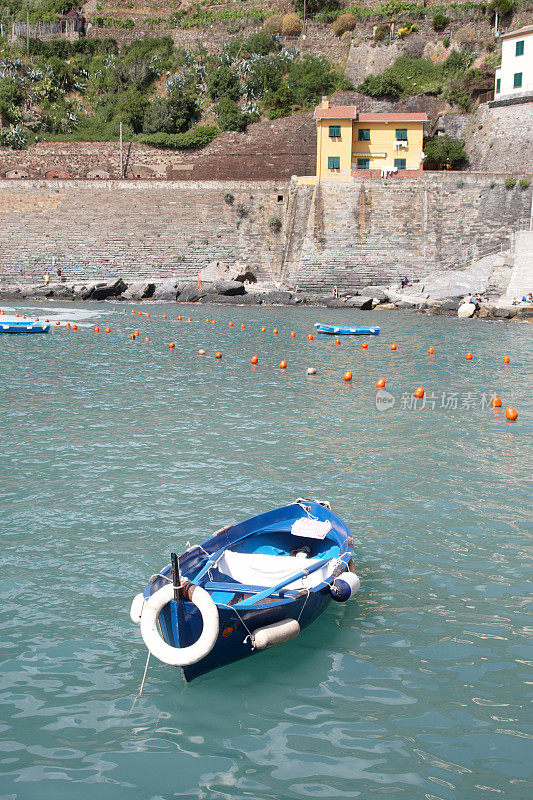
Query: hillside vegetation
[183, 96]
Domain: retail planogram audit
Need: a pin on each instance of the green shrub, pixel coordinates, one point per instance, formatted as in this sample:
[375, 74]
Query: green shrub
[193, 139]
[459, 183]
[229, 198]
[174, 114]
[223, 83]
[11, 97]
[440, 22]
[274, 223]
[344, 23]
[14, 136]
[524, 183]
[261, 43]
[291, 25]
[112, 22]
[445, 151]
[229, 115]
[504, 7]
[510, 183]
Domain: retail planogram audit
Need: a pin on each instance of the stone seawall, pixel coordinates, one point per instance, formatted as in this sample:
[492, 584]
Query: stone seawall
[352, 234]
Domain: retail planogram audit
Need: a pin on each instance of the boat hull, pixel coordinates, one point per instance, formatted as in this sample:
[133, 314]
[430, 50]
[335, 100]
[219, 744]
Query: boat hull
[345, 330]
[243, 608]
[23, 327]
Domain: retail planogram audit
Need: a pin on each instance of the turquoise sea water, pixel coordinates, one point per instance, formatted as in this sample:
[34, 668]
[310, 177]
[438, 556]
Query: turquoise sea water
[117, 451]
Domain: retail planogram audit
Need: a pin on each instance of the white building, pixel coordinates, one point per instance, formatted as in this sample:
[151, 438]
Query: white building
[515, 76]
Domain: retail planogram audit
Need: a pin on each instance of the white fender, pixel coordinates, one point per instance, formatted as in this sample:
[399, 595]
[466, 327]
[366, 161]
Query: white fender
[136, 609]
[179, 656]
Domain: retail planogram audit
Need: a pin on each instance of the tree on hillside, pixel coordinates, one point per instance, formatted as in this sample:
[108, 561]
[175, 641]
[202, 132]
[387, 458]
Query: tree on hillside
[445, 151]
[174, 114]
[224, 83]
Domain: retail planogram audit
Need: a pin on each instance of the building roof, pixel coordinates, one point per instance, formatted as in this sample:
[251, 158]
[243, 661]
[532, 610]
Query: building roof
[385, 116]
[520, 32]
[336, 112]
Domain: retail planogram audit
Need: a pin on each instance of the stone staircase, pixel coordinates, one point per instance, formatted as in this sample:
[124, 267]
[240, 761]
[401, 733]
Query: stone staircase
[521, 280]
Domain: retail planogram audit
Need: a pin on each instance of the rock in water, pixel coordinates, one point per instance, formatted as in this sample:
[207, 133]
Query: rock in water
[466, 310]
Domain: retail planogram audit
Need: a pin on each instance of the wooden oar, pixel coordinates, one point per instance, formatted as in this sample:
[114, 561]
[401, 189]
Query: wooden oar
[267, 592]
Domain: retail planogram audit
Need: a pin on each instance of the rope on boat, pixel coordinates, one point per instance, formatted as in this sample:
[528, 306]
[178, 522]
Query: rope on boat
[305, 601]
[240, 618]
[139, 693]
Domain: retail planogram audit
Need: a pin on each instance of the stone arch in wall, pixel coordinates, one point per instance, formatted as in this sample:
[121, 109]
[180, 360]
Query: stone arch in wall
[142, 172]
[17, 173]
[98, 174]
[57, 174]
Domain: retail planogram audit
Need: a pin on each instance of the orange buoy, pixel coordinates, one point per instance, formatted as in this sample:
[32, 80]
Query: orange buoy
[57, 323]
[511, 413]
[108, 330]
[311, 370]
[292, 334]
[283, 365]
[207, 319]
[179, 318]
[365, 345]
[419, 392]
[254, 360]
[230, 324]
[123, 310]
[218, 355]
[135, 333]
[348, 376]
[189, 319]
[36, 319]
[147, 315]
[74, 327]
[96, 329]
[393, 346]
[24, 316]
[46, 319]
[496, 401]
[114, 308]
[140, 313]
[133, 311]
[275, 330]
[67, 325]
[213, 322]
[132, 336]
[469, 356]
[243, 326]
[380, 384]
[263, 330]
[201, 352]
[16, 315]
[164, 316]
[431, 351]
[171, 346]
[146, 338]
[506, 359]
[311, 337]
[337, 341]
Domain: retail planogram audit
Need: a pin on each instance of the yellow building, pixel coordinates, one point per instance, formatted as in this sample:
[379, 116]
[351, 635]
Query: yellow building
[375, 143]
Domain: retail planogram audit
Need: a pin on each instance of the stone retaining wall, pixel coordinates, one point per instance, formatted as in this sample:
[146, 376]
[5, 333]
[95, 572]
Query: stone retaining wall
[352, 234]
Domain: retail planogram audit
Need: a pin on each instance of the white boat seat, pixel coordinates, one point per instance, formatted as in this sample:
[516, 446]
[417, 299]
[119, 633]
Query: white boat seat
[259, 569]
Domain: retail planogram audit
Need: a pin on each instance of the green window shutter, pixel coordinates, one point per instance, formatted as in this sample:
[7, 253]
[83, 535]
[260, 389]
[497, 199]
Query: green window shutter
[334, 131]
[401, 163]
[517, 83]
[519, 51]
[498, 85]
[363, 163]
[363, 135]
[401, 134]
[334, 162]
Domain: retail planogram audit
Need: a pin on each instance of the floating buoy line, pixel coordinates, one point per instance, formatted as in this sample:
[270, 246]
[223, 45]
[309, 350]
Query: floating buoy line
[496, 402]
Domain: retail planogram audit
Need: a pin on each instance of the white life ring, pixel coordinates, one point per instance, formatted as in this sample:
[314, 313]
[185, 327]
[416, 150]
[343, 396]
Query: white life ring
[179, 656]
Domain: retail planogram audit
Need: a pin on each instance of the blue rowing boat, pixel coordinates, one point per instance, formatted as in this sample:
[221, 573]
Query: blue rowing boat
[346, 329]
[248, 587]
[24, 327]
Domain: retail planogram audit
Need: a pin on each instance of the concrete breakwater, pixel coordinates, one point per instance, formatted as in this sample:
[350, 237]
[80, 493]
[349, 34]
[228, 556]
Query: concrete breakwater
[352, 234]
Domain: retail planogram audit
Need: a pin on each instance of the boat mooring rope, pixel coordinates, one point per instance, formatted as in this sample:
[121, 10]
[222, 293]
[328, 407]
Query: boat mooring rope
[139, 693]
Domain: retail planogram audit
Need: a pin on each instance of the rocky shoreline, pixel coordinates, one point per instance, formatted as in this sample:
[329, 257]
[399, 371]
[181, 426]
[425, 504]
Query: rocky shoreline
[377, 298]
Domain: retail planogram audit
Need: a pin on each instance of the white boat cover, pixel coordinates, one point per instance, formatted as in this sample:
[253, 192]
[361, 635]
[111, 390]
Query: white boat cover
[310, 528]
[259, 569]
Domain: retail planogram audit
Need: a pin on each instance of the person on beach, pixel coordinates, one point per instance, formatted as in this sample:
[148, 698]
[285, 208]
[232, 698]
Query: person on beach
[335, 292]
[46, 277]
